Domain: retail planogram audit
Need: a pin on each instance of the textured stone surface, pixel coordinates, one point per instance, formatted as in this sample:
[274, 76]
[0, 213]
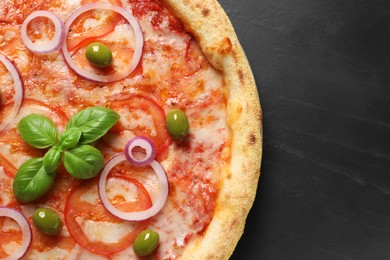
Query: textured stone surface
[323, 73]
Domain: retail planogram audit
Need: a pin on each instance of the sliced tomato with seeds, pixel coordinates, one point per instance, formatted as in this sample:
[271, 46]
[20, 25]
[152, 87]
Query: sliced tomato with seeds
[141, 116]
[93, 227]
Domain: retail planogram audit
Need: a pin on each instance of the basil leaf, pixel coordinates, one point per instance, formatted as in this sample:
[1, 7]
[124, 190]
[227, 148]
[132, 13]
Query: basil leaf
[69, 139]
[38, 131]
[31, 181]
[93, 122]
[83, 162]
[52, 159]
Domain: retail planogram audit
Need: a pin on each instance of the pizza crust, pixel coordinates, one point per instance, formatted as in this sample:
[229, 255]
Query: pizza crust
[209, 24]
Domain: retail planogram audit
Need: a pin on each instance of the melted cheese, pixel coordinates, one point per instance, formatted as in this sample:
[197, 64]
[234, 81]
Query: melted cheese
[106, 232]
[137, 119]
[51, 254]
[5, 181]
[10, 247]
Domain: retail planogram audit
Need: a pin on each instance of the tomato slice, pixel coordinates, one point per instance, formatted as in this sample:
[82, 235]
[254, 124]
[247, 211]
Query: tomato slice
[81, 37]
[93, 227]
[29, 106]
[141, 116]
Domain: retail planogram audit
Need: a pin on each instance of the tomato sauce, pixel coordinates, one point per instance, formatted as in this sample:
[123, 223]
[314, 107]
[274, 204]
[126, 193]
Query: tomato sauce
[143, 7]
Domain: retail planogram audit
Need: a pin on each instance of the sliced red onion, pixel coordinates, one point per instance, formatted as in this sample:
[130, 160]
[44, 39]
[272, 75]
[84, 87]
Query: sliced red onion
[144, 143]
[139, 42]
[19, 91]
[54, 44]
[139, 215]
[26, 231]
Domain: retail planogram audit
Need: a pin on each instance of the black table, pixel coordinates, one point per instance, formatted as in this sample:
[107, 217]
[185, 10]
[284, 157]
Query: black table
[323, 73]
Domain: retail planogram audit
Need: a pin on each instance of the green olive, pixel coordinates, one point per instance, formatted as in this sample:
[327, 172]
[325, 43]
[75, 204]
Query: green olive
[99, 54]
[47, 221]
[146, 242]
[177, 124]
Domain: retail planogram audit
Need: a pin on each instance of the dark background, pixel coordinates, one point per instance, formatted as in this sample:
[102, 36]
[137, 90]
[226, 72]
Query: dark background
[323, 75]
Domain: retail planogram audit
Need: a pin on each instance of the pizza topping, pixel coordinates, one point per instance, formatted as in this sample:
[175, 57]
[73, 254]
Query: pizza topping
[139, 215]
[47, 221]
[93, 227]
[83, 162]
[19, 91]
[177, 124]
[35, 176]
[129, 67]
[38, 131]
[99, 55]
[140, 116]
[144, 143]
[102, 26]
[47, 47]
[31, 181]
[33, 106]
[26, 231]
[146, 242]
[93, 122]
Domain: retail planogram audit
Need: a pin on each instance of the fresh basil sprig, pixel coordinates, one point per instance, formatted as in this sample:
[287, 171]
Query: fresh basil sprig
[35, 177]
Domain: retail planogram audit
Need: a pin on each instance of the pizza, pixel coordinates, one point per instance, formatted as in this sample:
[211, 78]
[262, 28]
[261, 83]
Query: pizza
[128, 128]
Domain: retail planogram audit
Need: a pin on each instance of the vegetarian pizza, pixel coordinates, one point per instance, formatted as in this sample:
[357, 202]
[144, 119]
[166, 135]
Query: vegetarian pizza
[128, 129]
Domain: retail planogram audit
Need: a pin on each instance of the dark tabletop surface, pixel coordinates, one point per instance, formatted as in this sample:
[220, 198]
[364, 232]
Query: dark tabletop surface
[323, 73]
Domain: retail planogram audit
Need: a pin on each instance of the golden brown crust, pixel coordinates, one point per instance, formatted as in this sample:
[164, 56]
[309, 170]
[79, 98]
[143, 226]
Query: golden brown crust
[209, 24]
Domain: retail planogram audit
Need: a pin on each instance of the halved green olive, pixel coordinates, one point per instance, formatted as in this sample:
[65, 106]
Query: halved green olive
[177, 124]
[99, 54]
[146, 242]
[47, 221]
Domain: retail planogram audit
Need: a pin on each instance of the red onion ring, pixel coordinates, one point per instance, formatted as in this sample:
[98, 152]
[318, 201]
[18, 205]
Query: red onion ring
[139, 215]
[139, 42]
[54, 44]
[26, 231]
[19, 91]
[145, 143]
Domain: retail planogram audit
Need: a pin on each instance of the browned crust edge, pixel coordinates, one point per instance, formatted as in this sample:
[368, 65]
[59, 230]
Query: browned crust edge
[209, 24]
